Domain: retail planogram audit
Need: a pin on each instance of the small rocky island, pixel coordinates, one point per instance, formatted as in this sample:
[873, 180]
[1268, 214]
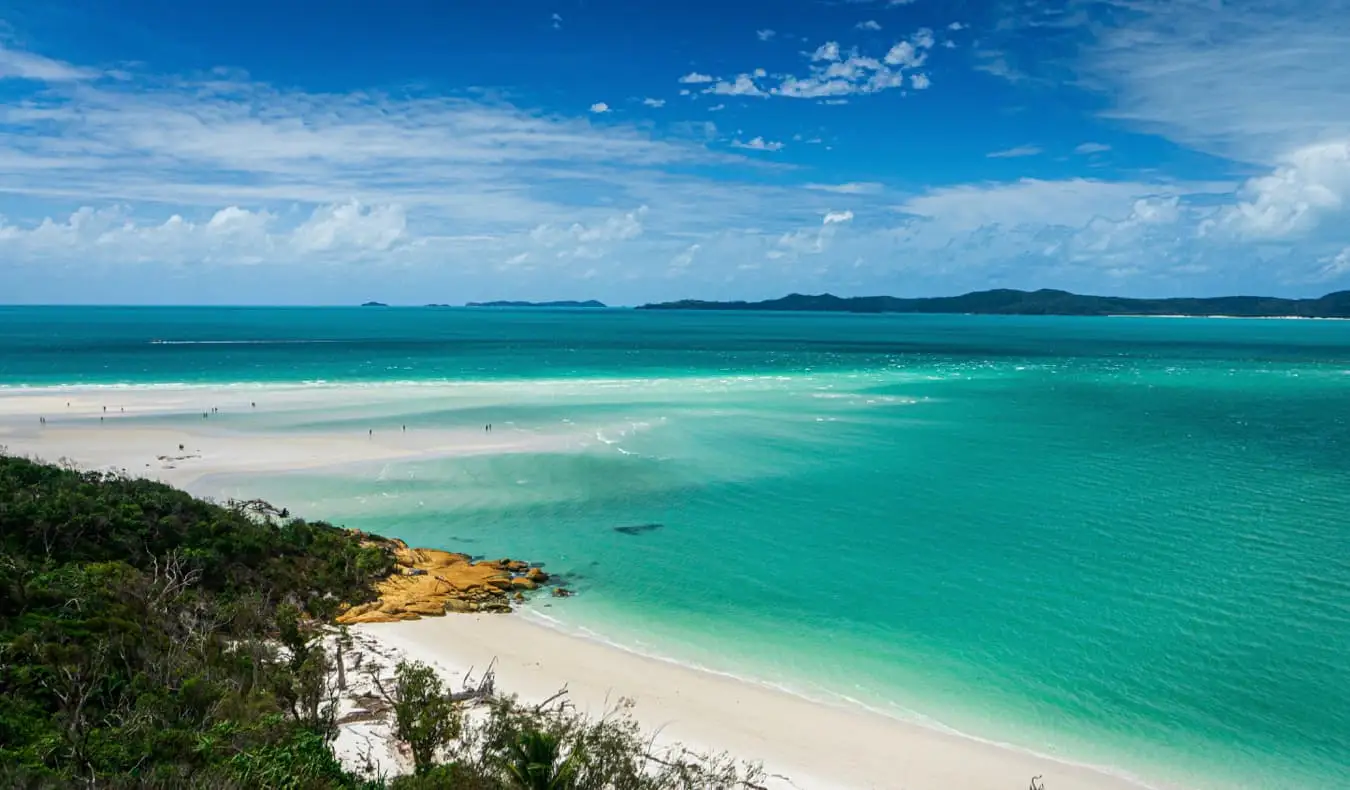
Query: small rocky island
[431, 582]
[374, 304]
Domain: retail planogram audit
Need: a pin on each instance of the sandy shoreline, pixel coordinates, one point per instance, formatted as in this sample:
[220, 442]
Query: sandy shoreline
[813, 745]
[804, 743]
[173, 434]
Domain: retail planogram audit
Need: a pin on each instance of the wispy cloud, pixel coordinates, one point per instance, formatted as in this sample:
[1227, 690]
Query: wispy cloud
[765, 35]
[870, 24]
[1091, 148]
[15, 64]
[695, 78]
[851, 188]
[1013, 153]
[650, 102]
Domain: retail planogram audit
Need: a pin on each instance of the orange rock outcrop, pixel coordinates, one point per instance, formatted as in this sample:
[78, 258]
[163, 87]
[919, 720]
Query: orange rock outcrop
[430, 582]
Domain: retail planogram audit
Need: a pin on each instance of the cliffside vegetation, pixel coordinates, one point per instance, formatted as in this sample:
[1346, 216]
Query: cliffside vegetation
[149, 639]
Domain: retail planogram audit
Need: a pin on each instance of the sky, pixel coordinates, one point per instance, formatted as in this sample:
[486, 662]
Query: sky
[281, 152]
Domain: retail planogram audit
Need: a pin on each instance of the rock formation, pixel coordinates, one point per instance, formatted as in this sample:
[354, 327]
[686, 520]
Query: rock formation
[430, 582]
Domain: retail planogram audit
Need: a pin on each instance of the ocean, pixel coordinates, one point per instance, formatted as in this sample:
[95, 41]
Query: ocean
[1119, 541]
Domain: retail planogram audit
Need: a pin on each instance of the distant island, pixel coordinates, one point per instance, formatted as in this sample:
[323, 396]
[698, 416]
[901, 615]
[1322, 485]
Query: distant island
[1046, 301]
[588, 303]
[374, 304]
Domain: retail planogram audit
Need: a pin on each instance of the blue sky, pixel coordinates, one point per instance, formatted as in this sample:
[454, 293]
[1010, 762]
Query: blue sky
[299, 153]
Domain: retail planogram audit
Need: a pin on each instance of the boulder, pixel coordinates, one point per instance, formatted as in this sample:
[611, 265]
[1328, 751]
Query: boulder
[523, 583]
[536, 575]
[561, 592]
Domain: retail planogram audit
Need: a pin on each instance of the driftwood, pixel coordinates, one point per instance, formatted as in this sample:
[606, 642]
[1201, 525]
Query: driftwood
[483, 689]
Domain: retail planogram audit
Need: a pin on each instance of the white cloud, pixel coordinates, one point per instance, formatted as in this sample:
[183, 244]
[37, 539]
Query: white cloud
[758, 144]
[905, 54]
[684, 259]
[717, 108]
[833, 74]
[556, 19]
[833, 217]
[870, 24]
[233, 235]
[765, 35]
[1308, 186]
[957, 26]
[1013, 153]
[599, 107]
[352, 226]
[695, 78]
[590, 241]
[1249, 81]
[654, 102]
[1336, 267]
[28, 66]
[827, 51]
[1091, 148]
[742, 85]
[851, 188]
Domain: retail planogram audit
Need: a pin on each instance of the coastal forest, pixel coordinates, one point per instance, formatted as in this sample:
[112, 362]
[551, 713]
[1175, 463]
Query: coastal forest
[150, 639]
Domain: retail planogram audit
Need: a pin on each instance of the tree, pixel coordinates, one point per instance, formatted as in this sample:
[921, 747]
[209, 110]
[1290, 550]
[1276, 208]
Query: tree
[534, 762]
[425, 717]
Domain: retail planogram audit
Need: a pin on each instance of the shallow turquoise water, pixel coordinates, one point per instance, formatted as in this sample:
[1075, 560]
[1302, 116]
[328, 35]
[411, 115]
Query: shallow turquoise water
[1123, 541]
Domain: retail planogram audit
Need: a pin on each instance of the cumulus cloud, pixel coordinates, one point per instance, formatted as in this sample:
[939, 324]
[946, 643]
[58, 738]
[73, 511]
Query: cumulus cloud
[833, 73]
[832, 217]
[1308, 186]
[758, 144]
[870, 24]
[827, 51]
[599, 107]
[654, 102]
[742, 85]
[695, 78]
[232, 235]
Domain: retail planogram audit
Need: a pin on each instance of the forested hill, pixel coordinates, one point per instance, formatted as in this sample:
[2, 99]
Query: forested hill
[1042, 302]
[140, 631]
[153, 641]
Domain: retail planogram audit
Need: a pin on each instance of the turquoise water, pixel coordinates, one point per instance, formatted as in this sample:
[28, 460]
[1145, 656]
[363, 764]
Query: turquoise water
[1121, 541]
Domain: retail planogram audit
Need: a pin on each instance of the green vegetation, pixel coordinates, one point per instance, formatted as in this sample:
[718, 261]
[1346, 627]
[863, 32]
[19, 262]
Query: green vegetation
[1006, 301]
[152, 640]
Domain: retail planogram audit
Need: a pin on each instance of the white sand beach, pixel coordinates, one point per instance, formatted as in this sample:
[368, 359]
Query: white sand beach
[174, 434]
[804, 743]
